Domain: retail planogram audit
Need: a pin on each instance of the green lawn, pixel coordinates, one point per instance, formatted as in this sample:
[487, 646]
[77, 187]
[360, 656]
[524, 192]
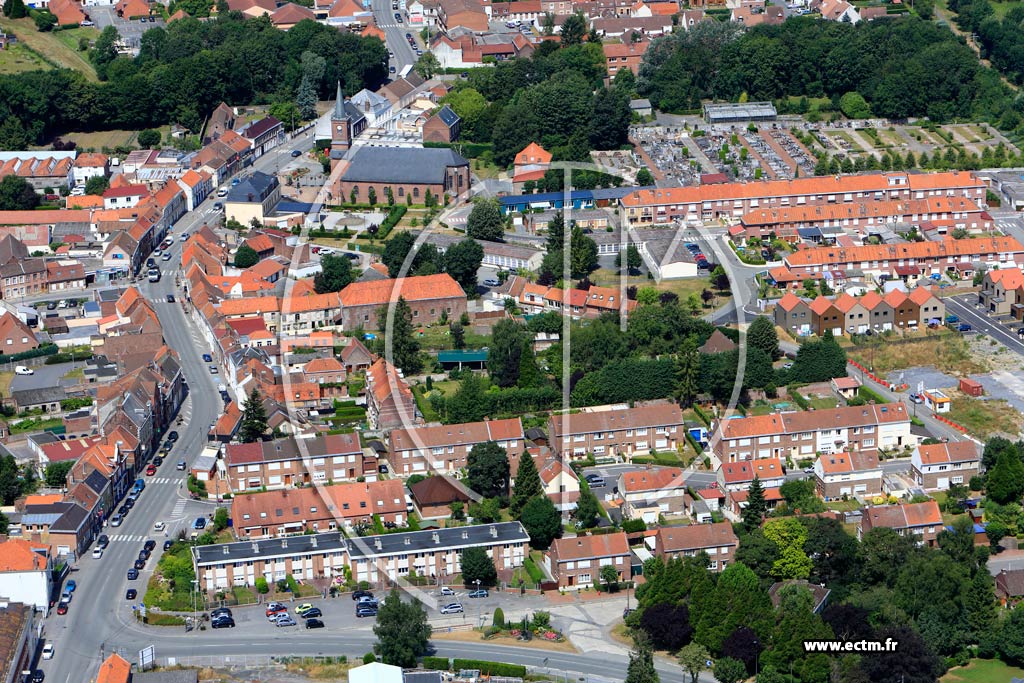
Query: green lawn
[983, 671]
[823, 403]
[17, 59]
[72, 36]
[51, 47]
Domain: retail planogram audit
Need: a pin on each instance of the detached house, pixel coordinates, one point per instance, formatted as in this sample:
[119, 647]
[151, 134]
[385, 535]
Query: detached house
[847, 474]
[616, 431]
[938, 466]
[717, 540]
[918, 519]
[650, 493]
[577, 562]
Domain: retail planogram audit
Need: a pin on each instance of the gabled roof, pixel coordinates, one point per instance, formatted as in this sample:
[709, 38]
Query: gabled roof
[533, 154]
[746, 470]
[847, 463]
[652, 480]
[20, 555]
[950, 452]
[439, 490]
[595, 547]
[790, 301]
[114, 669]
[415, 288]
[673, 539]
[905, 516]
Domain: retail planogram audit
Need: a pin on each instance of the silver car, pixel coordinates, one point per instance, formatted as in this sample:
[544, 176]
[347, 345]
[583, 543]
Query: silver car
[452, 608]
[285, 620]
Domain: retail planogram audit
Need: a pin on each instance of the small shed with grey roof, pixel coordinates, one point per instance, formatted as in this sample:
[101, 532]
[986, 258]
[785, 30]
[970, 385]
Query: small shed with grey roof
[744, 111]
[46, 399]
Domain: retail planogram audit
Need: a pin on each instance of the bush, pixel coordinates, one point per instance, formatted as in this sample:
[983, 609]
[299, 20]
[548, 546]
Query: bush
[499, 618]
[262, 587]
[436, 663]
[491, 668]
[632, 526]
[44, 350]
[369, 658]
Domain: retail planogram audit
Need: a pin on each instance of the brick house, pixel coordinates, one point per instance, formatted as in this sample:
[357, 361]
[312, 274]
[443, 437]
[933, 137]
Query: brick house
[717, 540]
[865, 429]
[847, 474]
[577, 562]
[429, 297]
[738, 476]
[389, 400]
[938, 466]
[610, 431]
[15, 336]
[442, 449]
[312, 509]
[375, 559]
[649, 493]
[793, 314]
[919, 519]
[443, 126]
[624, 55]
[432, 497]
[283, 463]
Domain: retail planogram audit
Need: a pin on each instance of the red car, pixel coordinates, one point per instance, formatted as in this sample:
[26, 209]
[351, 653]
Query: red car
[62, 608]
[151, 470]
[276, 607]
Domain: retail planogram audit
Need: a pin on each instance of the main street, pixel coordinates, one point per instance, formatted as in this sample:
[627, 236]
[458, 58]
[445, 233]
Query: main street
[395, 34]
[99, 619]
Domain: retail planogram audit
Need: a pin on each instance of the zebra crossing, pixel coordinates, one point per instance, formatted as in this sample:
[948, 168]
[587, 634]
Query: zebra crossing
[127, 538]
[179, 509]
[161, 480]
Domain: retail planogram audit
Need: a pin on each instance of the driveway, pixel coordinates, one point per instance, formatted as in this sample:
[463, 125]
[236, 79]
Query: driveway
[45, 376]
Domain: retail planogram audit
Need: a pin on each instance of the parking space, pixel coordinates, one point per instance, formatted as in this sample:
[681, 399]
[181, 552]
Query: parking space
[130, 30]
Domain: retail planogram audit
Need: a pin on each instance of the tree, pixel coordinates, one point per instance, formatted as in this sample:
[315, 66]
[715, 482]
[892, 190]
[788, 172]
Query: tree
[756, 507]
[688, 371]
[371, 196]
[995, 531]
[528, 485]
[15, 9]
[729, 670]
[644, 178]
[405, 350]
[56, 473]
[149, 138]
[740, 600]
[744, 646]
[911, 662]
[1005, 483]
[485, 221]
[287, 113]
[762, 335]
[477, 565]
[458, 334]
[462, 261]
[487, 469]
[427, 65]
[254, 418]
[694, 659]
[609, 124]
[667, 626]
[641, 662]
[587, 509]
[220, 519]
[313, 68]
[789, 535]
[305, 100]
[96, 185]
[17, 195]
[468, 403]
[246, 257]
[542, 522]
[486, 511]
[402, 631]
[633, 259]
[610, 577]
[506, 352]
[574, 28]
[335, 274]
[819, 361]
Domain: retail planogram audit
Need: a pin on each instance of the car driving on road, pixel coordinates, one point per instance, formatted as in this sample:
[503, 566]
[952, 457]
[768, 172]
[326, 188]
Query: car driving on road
[452, 608]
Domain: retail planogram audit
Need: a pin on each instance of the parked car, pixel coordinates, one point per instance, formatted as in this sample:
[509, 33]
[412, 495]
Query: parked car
[220, 611]
[223, 623]
[304, 607]
[359, 594]
[22, 370]
[452, 608]
[214, 370]
[491, 282]
[62, 607]
[916, 398]
[150, 544]
[368, 602]
[140, 563]
[480, 593]
[207, 358]
[964, 327]
[366, 612]
[172, 436]
[285, 621]
[199, 524]
[150, 470]
[70, 586]
[314, 623]
[133, 574]
[275, 607]
[97, 553]
[116, 520]
[167, 544]
[48, 651]
[38, 676]
[131, 594]
[103, 541]
[445, 590]
[312, 613]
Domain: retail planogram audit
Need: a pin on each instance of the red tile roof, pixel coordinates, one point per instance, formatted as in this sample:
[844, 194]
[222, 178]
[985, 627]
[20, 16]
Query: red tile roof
[416, 288]
[590, 547]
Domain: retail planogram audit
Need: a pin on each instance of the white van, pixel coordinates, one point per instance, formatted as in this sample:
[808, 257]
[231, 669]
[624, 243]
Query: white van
[222, 192]
[22, 370]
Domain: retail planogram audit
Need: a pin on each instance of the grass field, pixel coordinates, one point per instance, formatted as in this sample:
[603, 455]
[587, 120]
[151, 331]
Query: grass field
[983, 670]
[72, 37]
[948, 353]
[682, 287]
[17, 59]
[102, 139]
[985, 418]
[52, 47]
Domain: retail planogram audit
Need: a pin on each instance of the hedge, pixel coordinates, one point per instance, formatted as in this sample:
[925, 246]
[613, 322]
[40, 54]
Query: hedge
[490, 668]
[44, 350]
[436, 663]
[395, 215]
[798, 398]
[633, 526]
[705, 418]
[470, 150]
[697, 448]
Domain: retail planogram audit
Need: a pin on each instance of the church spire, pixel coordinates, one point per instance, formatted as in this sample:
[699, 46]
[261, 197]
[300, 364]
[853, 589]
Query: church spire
[339, 106]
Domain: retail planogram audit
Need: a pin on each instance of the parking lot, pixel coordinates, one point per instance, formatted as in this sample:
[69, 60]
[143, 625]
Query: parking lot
[130, 30]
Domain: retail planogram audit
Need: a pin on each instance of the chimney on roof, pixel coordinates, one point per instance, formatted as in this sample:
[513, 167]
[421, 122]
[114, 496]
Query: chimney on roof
[377, 543]
[312, 541]
[494, 531]
[255, 547]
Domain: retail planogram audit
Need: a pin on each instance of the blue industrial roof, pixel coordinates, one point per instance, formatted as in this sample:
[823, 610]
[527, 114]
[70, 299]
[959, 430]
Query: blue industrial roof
[464, 356]
[293, 207]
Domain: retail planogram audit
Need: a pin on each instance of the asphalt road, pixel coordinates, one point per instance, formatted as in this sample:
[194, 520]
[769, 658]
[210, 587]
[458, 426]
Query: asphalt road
[963, 306]
[395, 34]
